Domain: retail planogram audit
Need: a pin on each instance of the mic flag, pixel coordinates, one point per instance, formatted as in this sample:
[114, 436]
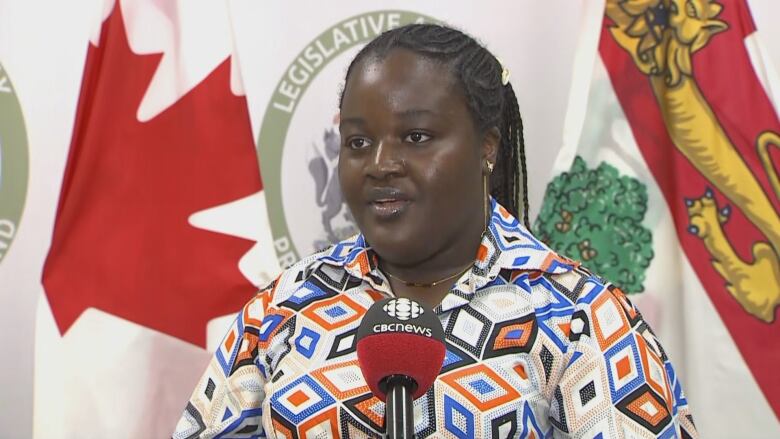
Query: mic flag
[400, 337]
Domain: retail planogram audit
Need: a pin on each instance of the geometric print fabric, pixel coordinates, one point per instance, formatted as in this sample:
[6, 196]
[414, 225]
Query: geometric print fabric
[534, 344]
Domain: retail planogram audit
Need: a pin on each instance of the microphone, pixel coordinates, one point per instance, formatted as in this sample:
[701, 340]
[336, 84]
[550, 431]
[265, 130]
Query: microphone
[400, 349]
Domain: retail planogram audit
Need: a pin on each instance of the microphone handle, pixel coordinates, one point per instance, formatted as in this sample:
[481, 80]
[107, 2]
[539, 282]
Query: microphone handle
[399, 416]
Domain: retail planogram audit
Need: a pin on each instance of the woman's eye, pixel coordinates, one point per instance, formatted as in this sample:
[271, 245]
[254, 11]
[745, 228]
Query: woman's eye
[357, 143]
[417, 137]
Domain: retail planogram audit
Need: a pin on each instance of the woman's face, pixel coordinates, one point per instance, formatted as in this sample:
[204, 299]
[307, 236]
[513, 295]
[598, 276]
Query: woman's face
[411, 161]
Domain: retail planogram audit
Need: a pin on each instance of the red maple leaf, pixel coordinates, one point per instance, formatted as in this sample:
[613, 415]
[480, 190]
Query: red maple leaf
[121, 240]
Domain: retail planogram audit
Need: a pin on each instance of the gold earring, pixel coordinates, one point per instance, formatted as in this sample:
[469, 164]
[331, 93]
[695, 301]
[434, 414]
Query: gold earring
[486, 192]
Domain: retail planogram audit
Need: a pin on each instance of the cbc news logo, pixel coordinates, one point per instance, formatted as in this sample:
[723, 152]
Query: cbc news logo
[403, 309]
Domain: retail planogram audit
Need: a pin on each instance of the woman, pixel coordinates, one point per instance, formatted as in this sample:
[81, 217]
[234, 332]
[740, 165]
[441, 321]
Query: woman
[536, 345]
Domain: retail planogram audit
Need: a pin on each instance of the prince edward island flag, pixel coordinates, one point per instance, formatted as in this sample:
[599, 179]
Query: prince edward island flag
[667, 185]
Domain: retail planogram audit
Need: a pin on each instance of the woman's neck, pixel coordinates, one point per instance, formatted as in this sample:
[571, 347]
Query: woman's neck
[428, 281]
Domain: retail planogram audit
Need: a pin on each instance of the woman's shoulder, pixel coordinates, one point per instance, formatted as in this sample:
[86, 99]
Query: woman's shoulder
[588, 296]
[579, 277]
[579, 285]
[313, 273]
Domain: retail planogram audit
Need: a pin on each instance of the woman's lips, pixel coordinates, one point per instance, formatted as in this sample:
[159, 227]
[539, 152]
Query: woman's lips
[388, 208]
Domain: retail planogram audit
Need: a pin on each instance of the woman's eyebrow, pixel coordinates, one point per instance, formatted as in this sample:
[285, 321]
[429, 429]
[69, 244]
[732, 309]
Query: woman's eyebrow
[353, 121]
[405, 114]
[409, 114]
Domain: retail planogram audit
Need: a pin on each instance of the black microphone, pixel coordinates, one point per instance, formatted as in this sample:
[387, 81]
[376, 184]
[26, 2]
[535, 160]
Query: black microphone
[400, 349]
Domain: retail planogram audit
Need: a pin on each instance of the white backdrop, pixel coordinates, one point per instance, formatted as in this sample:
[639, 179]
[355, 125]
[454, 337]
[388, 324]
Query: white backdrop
[42, 49]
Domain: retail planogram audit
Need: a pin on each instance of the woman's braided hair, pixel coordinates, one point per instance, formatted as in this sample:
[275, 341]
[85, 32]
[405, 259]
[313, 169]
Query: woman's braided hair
[490, 103]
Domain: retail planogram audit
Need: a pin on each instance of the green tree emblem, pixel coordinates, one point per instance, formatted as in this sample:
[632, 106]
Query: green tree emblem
[597, 214]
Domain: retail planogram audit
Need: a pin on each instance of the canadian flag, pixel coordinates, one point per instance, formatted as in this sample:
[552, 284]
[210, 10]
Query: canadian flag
[159, 218]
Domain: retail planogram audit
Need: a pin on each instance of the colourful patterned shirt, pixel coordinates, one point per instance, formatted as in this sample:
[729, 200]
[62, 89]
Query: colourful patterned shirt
[537, 346]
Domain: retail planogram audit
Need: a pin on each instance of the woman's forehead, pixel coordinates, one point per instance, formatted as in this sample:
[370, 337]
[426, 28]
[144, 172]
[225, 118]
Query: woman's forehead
[400, 62]
[403, 81]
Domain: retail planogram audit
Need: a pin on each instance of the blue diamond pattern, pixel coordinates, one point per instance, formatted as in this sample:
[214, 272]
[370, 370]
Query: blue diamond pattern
[450, 357]
[306, 343]
[452, 409]
[227, 414]
[514, 334]
[482, 386]
[335, 312]
[304, 381]
[308, 290]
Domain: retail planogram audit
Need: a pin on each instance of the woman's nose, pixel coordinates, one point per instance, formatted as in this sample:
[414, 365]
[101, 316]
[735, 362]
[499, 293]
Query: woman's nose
[386, 160]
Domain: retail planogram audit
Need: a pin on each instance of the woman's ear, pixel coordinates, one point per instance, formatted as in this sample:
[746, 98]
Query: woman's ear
[491, 141]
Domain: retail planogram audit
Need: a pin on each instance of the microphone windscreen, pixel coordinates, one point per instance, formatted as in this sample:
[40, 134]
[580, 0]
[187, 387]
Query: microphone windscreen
[400, 337]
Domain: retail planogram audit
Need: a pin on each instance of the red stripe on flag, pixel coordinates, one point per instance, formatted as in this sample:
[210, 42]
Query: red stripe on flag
[728, 82]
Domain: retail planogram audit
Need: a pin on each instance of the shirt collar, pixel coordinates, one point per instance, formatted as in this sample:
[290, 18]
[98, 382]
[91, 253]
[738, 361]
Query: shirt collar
[506, 245]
